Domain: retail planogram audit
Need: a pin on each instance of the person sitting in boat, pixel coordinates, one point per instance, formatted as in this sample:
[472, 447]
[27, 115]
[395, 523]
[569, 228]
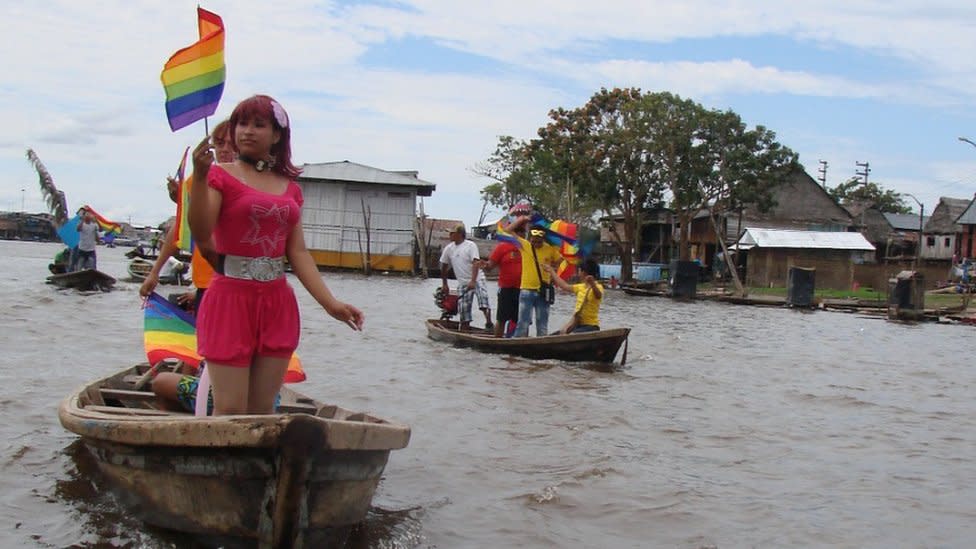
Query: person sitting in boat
[177, 391]
[589, 296]
[462, 256]
[61, 260]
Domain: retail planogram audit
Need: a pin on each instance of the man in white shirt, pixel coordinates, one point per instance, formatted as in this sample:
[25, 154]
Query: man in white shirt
[87, 239]
[461, 255]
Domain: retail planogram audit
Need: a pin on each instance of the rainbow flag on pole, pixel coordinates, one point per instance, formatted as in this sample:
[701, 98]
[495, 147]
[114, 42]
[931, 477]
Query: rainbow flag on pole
[171, 332]
[194, 76]
[183, 238]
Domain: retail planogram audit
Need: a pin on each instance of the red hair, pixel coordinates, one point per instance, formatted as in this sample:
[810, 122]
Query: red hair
[260, 106]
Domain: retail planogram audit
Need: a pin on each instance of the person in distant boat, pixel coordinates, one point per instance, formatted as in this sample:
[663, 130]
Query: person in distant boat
[535, 290]
[201, 271]
[248, 324]
[87, 240]
[589, 297]
[461, 256]
[507, 257]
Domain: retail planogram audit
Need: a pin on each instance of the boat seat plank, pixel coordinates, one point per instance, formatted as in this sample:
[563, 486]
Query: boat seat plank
[296, 407]
[131, 411]
[125, 394]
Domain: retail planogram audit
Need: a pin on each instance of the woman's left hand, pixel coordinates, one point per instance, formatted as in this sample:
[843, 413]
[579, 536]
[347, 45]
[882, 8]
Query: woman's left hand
[347, 314]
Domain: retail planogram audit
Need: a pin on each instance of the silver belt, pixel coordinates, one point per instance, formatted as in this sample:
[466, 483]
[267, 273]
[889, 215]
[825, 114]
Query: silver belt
[261, 269]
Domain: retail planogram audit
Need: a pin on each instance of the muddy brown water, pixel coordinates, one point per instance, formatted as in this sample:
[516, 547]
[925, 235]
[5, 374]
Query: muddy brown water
[730, 426]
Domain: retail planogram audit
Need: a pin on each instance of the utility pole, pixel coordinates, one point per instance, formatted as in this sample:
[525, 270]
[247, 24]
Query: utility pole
[823, 174]
[23, 194]
[867, 170]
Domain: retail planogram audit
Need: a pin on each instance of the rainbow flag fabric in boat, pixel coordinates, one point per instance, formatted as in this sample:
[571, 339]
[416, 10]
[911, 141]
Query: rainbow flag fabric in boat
[193, 78]
[170, 332]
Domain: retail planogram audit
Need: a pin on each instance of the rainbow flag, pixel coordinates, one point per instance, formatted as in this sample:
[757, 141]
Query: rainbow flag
[562, 234]
[183, 238]
[104, 224]
[194, 76]
[170, 332]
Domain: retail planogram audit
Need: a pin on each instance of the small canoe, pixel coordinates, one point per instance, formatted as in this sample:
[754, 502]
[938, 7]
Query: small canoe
[303, 477]
[85, 280]
[600, 346]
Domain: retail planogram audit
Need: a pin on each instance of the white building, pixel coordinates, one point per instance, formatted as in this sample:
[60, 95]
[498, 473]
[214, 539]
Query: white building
[343, 198]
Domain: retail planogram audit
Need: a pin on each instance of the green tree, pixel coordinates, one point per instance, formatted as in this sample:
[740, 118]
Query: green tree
[625, 151]
[855, 190]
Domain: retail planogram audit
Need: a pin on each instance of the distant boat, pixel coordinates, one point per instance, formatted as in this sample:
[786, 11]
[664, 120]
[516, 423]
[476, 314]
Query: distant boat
[140, 268]
[303, 477]
[85, 280]
[599, 346]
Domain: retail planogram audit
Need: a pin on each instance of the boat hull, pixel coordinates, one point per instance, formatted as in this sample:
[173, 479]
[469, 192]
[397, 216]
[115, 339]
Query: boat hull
[86, 280]
[282, 480]
[600, 346]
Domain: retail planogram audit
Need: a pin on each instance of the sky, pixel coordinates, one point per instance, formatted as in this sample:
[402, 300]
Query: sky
[430, 85]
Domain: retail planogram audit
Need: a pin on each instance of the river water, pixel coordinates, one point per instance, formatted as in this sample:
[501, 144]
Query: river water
[729, 426]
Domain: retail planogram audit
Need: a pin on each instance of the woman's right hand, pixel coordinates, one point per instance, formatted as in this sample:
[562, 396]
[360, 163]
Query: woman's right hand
[148, 285]
[203, 157]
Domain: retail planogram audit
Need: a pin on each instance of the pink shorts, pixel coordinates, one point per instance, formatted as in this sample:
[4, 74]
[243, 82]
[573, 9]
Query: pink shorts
[242, 319]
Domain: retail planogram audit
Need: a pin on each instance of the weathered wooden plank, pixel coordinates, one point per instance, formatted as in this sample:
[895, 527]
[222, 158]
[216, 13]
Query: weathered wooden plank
[131, 411]
[125, 394]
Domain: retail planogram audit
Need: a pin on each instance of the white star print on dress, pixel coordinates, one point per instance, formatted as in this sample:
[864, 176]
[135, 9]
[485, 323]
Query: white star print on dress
[269, 227]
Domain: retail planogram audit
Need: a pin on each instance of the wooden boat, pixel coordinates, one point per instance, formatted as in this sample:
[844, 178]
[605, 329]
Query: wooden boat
[601, 346]
[140, 268]
[301, 478]
[85, 280]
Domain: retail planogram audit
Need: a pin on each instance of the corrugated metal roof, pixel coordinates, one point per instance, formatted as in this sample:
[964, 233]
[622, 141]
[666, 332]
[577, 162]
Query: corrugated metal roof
[905, 222]
[782, 238]
[358, 173]
[968, 216]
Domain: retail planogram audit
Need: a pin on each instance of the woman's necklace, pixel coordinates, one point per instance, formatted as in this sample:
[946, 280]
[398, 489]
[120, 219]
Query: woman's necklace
[259, 165]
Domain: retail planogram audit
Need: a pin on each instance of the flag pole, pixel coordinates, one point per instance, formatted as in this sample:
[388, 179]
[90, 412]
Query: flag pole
[206, 126]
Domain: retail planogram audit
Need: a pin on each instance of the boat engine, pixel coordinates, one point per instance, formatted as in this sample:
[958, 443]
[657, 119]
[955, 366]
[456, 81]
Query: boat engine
[448, 303]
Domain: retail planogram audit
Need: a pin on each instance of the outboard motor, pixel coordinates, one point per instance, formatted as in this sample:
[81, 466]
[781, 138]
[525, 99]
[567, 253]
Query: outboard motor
[447, 302]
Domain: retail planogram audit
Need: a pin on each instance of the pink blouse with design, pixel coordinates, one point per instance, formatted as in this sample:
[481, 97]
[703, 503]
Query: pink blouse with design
[253, 223]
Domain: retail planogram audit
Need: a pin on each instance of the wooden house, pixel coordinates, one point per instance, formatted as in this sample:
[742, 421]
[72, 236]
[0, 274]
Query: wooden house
[941, 238]
[799, 204]
[967, 223]
[353, 212]
[769, 254]
[894, 236]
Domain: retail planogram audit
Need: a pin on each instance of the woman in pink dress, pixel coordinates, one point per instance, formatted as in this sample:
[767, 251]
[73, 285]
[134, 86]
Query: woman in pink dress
[248, 323]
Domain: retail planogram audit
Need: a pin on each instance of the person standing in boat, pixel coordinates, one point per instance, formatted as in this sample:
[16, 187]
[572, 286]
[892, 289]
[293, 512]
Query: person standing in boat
[87, 240]
[201, 271]
[535, 290]
[589, 297]
[507, 257]
[248, 324]
[462, 256]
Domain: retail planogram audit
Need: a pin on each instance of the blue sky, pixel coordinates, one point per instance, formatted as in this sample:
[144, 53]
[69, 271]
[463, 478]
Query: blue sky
[430, 85]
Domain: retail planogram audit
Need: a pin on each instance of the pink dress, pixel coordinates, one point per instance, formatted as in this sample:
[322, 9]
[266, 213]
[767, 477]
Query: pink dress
[241, 319]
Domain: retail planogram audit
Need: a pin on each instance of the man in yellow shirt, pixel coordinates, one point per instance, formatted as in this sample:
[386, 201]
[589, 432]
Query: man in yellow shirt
[589, 296]
[534, 288]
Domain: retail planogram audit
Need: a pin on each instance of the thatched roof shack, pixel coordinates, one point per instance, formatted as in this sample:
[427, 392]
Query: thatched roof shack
[769, 254]
[942, 231]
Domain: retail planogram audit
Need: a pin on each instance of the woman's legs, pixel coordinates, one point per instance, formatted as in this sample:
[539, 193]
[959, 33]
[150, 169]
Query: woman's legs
[230, 388]
[267, 375]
